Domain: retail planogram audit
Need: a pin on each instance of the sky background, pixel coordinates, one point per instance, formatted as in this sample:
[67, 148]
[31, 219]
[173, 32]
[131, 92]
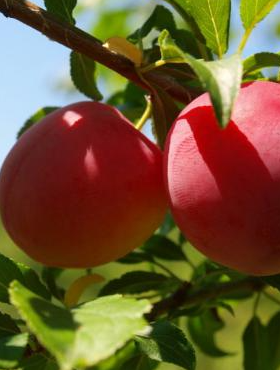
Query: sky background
[30, 65]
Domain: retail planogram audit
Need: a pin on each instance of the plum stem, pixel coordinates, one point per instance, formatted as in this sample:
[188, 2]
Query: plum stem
[145, 116]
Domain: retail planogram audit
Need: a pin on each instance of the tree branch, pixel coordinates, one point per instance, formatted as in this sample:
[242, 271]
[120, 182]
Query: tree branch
[185, 296]
[80, 41]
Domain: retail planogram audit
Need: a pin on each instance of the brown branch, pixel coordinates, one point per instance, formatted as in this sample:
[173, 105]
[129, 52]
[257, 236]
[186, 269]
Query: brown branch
[80, 41]
[185, 296]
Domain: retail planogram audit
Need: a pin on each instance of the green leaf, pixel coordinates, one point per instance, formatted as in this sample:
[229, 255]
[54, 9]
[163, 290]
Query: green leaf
[213, 17]
[38, 362]
[256, 346]
[161, 247]
[272, 280]
[253, 11]
[40, 114]
[259, 61]
[82, 70]
[139, 362]
[12, 349]
[7, 326]
[32, 281]
[160, 19]
[273, 329]
[135, 257]
[221, 78]
[136, 282]
[86, 335]
[9, 271]
[53, 326]
[167, 343]
[106, 324]
[49, 276]
[167, 225]
[62, 9]
[203, 329]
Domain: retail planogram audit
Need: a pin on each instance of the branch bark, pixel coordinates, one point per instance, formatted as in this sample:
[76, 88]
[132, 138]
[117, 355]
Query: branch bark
[185, 297]
[80, 41]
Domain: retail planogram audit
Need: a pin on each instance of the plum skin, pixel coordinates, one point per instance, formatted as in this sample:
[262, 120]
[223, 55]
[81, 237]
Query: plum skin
[82, 187]
[223, 185]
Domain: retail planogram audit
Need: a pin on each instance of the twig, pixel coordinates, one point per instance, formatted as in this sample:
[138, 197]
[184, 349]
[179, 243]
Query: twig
[80, 41]
[185, 296]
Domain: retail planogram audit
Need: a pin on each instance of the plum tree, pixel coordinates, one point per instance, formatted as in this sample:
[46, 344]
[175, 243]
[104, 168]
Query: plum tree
[224, 184]
[82, 187]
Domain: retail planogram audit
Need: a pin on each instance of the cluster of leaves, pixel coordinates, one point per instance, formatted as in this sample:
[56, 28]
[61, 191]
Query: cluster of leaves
[146, 316]
[138, 320]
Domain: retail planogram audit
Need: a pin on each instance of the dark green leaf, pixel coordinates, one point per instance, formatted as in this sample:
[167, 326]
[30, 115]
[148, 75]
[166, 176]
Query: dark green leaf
[221, 78]
[82, 70]
[40, 114]
[12, 349]
[203, 329]
[259, 61]
[139, 362]
[32, 281]
[252, 11]
[213, 17]
[9, 271]
[136, 282]
[49, 276]
[167, 225]
[62, 9]
[256, 346]
[135, 257]
[160, 19]
[161, 247]
[273, 329]
[167, 343]
[38, 362]
[7, 326]
[272, 280]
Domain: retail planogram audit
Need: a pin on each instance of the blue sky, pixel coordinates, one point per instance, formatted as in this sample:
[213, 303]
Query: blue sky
[30, 64]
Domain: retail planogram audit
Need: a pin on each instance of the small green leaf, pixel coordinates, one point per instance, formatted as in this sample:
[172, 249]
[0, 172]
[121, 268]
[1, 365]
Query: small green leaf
[213, 17]
[12, 349]
[62, 8]
[203, 329]
[167, 225]
[256, 346]
[86, 335]
[253, 11]
[40, 114]
[273, 329]
[135, 257]
[160, 19]
[82, 70]
[136, 282]
[161, 247]
[167, 343]
[221, 78]
[7, 326]
[259, 61]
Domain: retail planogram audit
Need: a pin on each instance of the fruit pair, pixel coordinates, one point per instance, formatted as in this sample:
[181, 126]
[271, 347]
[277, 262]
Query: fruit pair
[83, 187]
